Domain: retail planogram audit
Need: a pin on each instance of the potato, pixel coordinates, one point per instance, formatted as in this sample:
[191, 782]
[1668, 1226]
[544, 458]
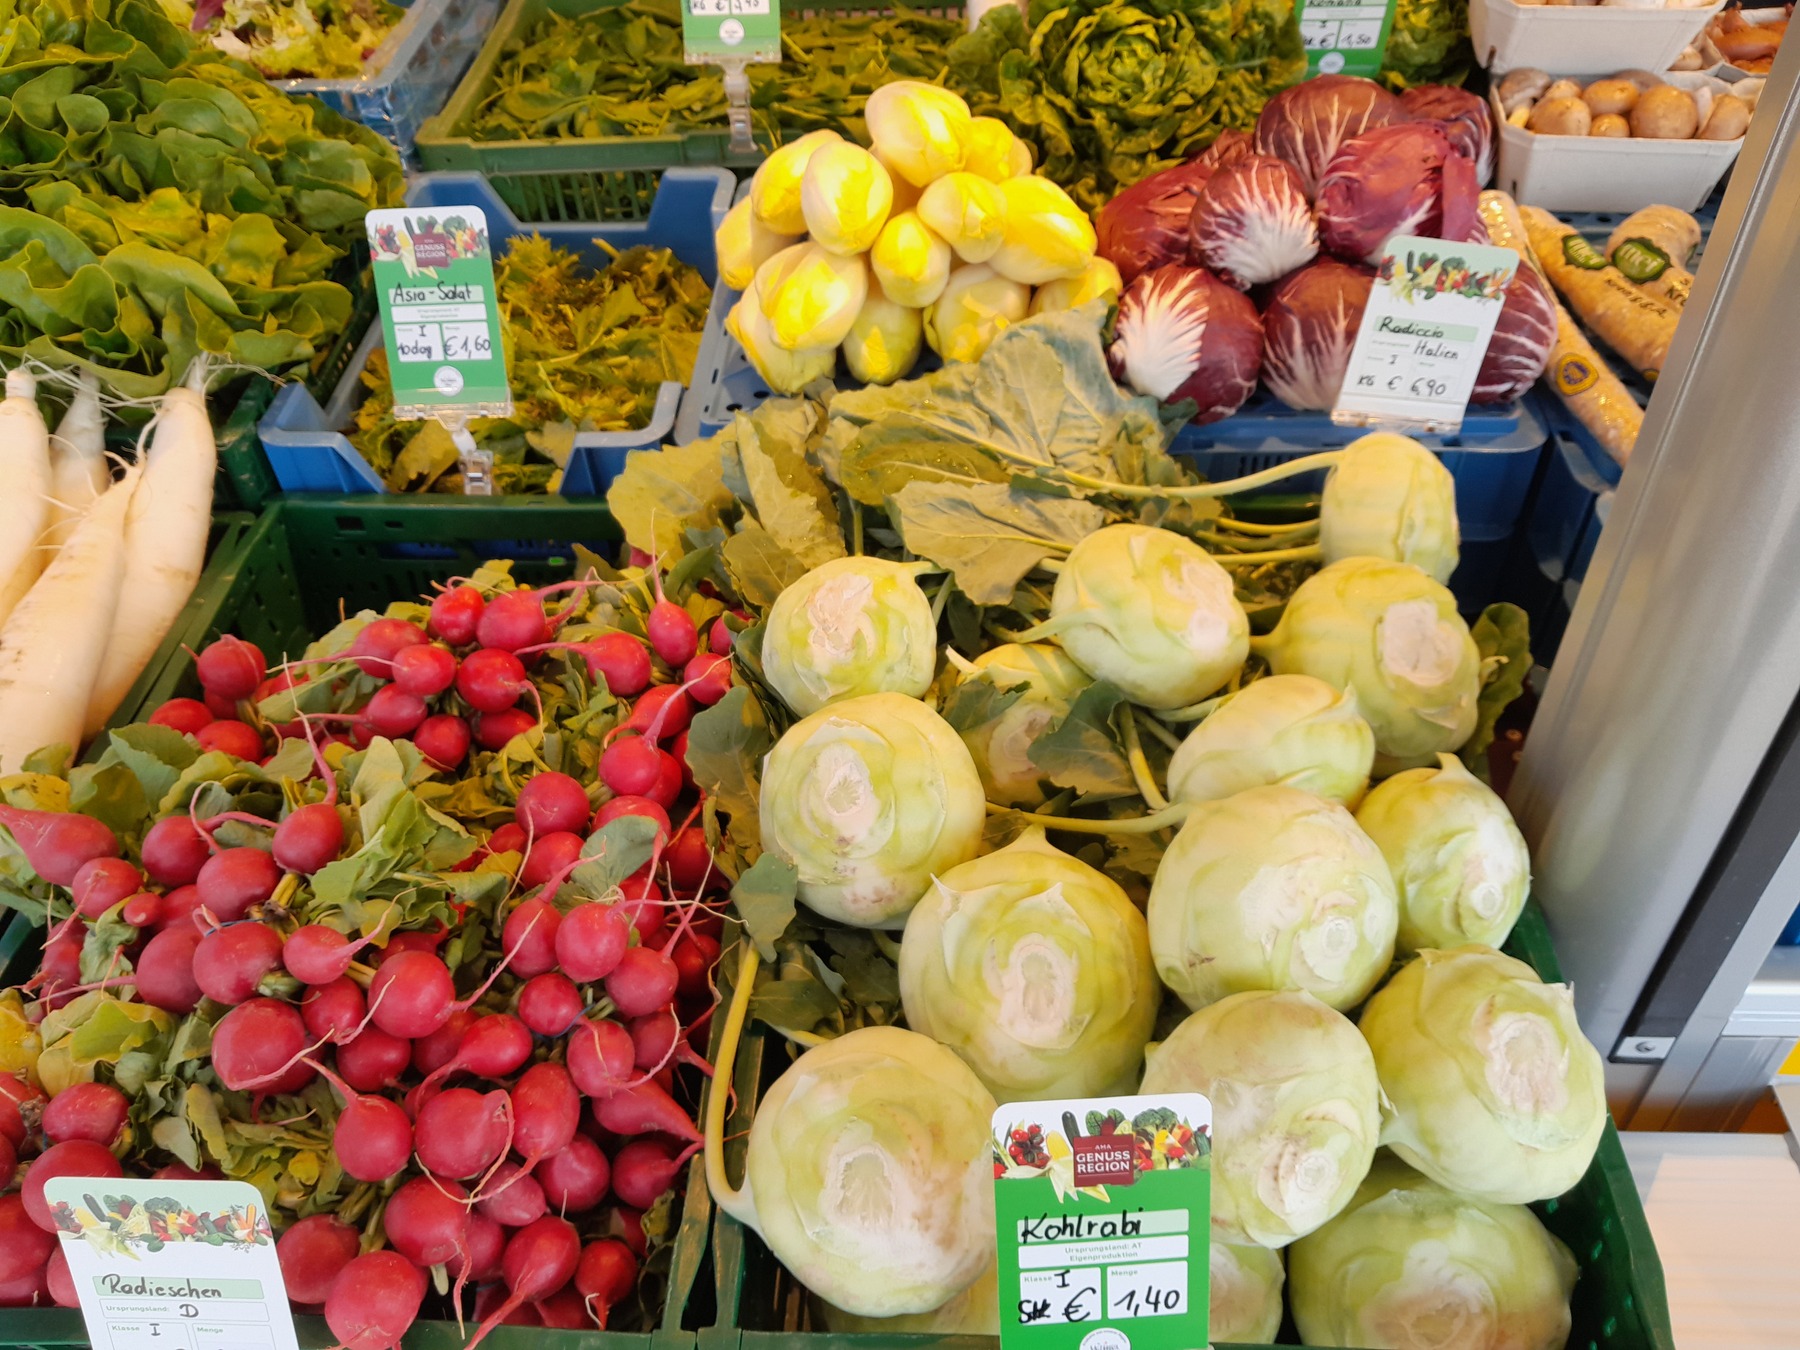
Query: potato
[1610, 96]
[1563, 89]
[1560, 117]
[1730, 117]
[1665, 113]
[1610, 124]
[1521, 88]
[1643, 79]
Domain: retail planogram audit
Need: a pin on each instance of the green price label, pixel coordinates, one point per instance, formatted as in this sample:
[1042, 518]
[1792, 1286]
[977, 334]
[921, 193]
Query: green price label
[434, 278]
[736, 30]
[1345, 37]
[1102, 1208]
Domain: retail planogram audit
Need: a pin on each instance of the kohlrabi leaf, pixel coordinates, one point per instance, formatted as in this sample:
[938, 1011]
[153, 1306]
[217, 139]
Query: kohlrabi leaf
[1503, 636]
[1082, 751]
[790, 497]
[665, 491]
[990, 535]
[757, 567]
[764, 899]
[725, 746]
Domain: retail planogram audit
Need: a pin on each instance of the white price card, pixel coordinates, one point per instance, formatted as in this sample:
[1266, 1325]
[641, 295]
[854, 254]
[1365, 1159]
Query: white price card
[172, 1265]
[1426, 327]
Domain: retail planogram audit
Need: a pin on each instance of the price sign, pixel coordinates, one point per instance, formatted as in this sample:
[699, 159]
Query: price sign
[434, 277]
[172, 1265]
[1345, 37]
[731, 30]
[1103, 1206]
[1426, 327]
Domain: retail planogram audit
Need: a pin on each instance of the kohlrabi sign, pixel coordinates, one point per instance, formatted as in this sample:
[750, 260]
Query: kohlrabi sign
[1103, 1208]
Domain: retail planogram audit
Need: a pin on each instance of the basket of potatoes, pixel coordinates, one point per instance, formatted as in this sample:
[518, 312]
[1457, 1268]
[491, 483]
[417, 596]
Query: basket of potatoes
[1617, 142]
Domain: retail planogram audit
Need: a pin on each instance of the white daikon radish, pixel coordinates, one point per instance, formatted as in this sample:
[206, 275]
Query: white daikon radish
[52, 646]
[24, 489]
[165, 542]
[78, 471]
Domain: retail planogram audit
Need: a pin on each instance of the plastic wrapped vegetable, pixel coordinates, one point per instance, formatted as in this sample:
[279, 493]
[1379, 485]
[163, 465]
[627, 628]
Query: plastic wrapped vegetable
[1306, 124]
[1100, 282]
[910, 260]
[1047, 680]
[744, 244]
[967, 213]
[1523, 339]
[920, 130]
[812, 301]
[976, 306]
[1146, 225]
[1464, 118]
[994, 152]
[1287, 729]
[1309, 330]
[1401, 179]
[1389, 497]
[1252, 222]
[883, 344]
[787, 372]
[1046, 236]
[845, 196]
[775, 189]
[1182, 333]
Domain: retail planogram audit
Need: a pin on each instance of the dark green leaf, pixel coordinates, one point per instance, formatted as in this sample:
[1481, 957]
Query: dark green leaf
[1082, 751]
[990, 536]
[613, 852]
[764, 899]
[1503, 636]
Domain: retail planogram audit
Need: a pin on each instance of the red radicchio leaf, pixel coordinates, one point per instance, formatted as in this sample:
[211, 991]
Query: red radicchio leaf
[1390, 181]
[1309, 330]
[1306, 124]
[1464, 118]
[1252, 223]
[1522, 339]
[1146, 225]
[1182, 333]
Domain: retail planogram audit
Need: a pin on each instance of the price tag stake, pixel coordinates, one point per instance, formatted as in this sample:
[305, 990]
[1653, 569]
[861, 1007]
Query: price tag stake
[1345, 37]
[733, 34]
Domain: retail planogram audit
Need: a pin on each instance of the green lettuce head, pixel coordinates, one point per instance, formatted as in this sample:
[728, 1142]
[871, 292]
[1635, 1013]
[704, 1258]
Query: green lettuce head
[1494, 1091]
[1035, 968]
[848, 627]
[1409, 1263]
[1287, 729]
[1048, 681]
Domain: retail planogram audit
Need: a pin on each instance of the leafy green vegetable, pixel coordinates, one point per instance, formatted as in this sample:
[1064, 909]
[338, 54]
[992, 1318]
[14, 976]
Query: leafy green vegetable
[293, 39]
[1429, 44]
[1503, 637]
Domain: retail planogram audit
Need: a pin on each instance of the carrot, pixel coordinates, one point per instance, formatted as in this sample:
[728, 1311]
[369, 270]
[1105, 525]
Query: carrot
[25, 504]
[78, 471]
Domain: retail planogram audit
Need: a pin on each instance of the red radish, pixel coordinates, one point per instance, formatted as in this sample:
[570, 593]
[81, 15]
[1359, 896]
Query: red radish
[57, 843]
[177, 907]
[333, 1010]
[180, 1171]
[668, 780]
[231, 667]
[491, 680]
[91, 1111]
[77, 1158]
[312, 1252]
[60, 966]
[552, 803]
[621, 661]
[258, 1047]
[310, 837]
[165, 969]
[424, 669]
[551, 855]
[494, 1047]
[574, 1178]
[186, 715]
[479, 1259]
[643, 981]
[59, 1281]
[591, 940]
[708, 678]
[230, 962]
[373, 1060]
[546, 1111]
[513, 620]
[672, 632]
[627, 1225]
[101, 883]
[373, 1138]
[222, 709]
[238, 739]
[456, 614]
[380, 640]
[509, 838]
[540, 1259]
[25, 1248]
[605, 1274]
[600, 1057]
[664, 711]
[634, 806]
[644, 1109]
[630, 766]
[564, 1310]
[719, 636]
[689, 860]
[315, 954]
[653, 1038]
[643, 908]
[549, 1003]
[393, 712]
[425, 1219]
[374, 1300]
[512, 1197]
[645, 1169]
[695, 955]
[412, 995]
[493, 730]
[15, 1091]
[235, 879]
[9, 1159]
[444, 740]
[492, 1296]
[413, 940]
[679, 748]
[528, 937]
[431, 1053]
[461, 1133]
[142, 910]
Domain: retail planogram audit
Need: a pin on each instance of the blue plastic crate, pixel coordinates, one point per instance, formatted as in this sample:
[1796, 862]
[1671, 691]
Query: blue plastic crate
[304, 443]
[1790, 936]
[1566, 517]
[411, 75]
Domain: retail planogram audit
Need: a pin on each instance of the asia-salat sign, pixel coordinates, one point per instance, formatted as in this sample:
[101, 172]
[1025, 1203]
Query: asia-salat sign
[1102, 1208]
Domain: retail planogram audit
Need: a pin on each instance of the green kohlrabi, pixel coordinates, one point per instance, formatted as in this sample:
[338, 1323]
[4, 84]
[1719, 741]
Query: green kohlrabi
[1035, 968]
[1493, 1090]
[1048, 681]
[850, 626]
[1287, 729]
[1150, 611]
[1272, 888]
[974, 1312]
[869, 1173]
[1295, 1110]
[1389, 497]
[1392, 635]
[1245, 1293]
[1458, 859]
[869, 798]
[1411, 1265]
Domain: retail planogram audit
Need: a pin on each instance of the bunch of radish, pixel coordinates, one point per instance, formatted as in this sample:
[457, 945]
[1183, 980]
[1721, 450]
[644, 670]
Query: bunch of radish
[516, 1115]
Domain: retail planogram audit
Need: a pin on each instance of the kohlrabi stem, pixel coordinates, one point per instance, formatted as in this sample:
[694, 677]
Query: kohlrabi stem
[718, 1092]
[1140, 767]
[941, 599]
[1262, 543]
[1248, 483]
[856, 529]
[1274, 555]
[889, 947]
[1195, 711]
[1162, 733]
[809, 1039]
[1050, 565]
[1173, 814]
[1259, 527]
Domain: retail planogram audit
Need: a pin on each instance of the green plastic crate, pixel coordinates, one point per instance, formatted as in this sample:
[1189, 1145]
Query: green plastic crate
[1619, 1302]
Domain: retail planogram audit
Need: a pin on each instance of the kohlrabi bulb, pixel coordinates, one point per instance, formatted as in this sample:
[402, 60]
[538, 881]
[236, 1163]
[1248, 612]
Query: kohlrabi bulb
[1048, 681]
[1035, 968]
[1458, 859]
[1272, 888]
[1392, 635]
[1389, 497]
[1493, 1091]
[1150, 611]
[870, 798]
[1287, 729]
[1410, 1264]
[974, 1312]
[1244, 1293]
[850, 626]
[1296, 1110]
[869, 1172]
